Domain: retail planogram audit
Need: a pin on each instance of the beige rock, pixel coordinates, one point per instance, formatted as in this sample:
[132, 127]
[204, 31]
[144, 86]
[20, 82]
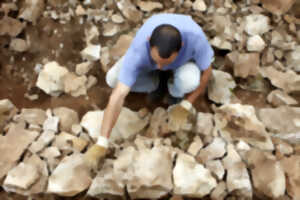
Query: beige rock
[199, 5]
[70, 177]
[157, 123]
[50, 153]
[13, 145]
[18, 45]
[129, 11]
[67, 142]
[221, 43]
[21, 176]
[272, 118]
[204, 124]
[91, 52]
[32, 10]
[105, 59]
[216, 149]
[283, 148]
[46, 138]
[51, 79]
[255, 43]
[293, 59]
[92, 81]
[239, 122]
[256, 24]
[195, 146]
[280, 98]
[120, 48]
[91, 121]
[219, 193]
[216, 167]
[268, 176]
[67, 118]
[191, 179]
[75, 85]
[291, 168]
[10, 26]
[106, 184]
[149, 6]
[80, 11]
[278, 7]
[237, 178]
[33, 116]
[91, 34]
[7, 110]
[7, 7]
[288, 81]
[83, 68]
[51, 123]
[245, 64]
[117, 18]
[76, 129]
[110, 29]
[220, 87]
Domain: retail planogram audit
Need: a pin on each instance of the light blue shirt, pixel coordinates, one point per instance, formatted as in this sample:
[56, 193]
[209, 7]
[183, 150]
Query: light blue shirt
[195, 47]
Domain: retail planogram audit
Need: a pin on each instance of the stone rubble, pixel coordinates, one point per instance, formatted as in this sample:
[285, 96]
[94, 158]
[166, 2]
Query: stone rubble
[214, 155]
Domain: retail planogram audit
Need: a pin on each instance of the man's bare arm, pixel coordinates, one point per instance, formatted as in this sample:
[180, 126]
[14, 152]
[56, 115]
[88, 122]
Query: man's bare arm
[113, 108]
[203, 83]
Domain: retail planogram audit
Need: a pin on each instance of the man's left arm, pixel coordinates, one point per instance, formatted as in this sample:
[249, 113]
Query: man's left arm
[191, 97]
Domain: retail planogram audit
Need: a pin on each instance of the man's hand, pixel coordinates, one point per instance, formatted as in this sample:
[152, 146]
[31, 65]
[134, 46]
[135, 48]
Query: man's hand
[96, 153]
[180, 115]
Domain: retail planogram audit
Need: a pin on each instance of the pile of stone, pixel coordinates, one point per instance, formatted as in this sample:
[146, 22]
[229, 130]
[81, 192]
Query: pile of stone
[234, 152]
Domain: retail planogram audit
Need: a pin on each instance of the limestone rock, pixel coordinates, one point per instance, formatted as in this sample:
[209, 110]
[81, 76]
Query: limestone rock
[83, 68]
[221, 43]
[192, 179]
[216, 149]
[216, 167]
[204, 124]
[220, 87]
[219, 193]
[91, 121]
[272, 119]
[51, 79]
[13, 145]
[18, 45]
[22, 176]
[120, 48]
[33, 116]
[280, 98]
[256, 24]
[110, 29]
[46, 138]
[107, 184]
[268, 177]
[199, 5]
[75, 85]
[91, 52]
[288, 81]
[67, 118]
[255, 43]
[105, 59]
[51, 123]
[32, 10]
[117, 18]
[195, 146]
[237, 179]
[7, 110]
[70, 177]
[129, 11]
[158, 122]
[293, 59]
[291, 168]
[10, 26]
[244, 64]
[278, 7]
[50, 153]
[67, 142]
[149, 6]
[236, 121]
[91, 81]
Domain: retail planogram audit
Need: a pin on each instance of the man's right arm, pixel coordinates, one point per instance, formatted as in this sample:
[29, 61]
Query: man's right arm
[113, 108]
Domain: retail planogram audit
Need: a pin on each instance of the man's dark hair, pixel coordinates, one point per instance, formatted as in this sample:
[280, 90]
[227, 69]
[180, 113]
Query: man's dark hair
[167, 39]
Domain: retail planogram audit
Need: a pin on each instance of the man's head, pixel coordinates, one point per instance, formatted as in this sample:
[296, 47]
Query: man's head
[165, 43]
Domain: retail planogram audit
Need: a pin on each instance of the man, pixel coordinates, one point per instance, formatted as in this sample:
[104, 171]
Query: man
[166, 42]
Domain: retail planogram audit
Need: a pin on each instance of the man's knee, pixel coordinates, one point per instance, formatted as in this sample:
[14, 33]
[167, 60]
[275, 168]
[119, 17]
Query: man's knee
[189, 76]
[113, 74]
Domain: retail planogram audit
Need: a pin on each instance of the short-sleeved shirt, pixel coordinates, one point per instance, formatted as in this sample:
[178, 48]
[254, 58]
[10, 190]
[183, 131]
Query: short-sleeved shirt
[195, 47]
